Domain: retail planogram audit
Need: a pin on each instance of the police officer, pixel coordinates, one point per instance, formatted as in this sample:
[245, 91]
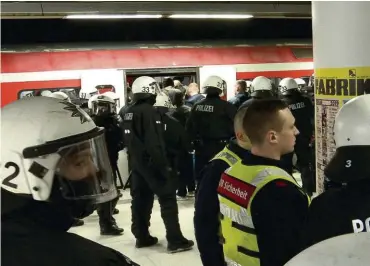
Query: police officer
[57, 171]
[303, 112]
[241, 94]
[103, 110]
[263, 208]
[207, 208]
[261, 88]
[345, 210]
[210, 125]
[174, 133]
[182, 113]
[151, 170]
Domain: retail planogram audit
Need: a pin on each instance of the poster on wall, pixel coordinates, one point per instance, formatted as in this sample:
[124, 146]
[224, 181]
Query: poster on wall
[334, 87]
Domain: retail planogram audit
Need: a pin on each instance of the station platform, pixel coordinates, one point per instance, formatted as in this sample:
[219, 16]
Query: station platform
[152, 256]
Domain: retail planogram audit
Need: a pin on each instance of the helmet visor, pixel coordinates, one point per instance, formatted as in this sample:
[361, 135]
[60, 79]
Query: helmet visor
[85, 172]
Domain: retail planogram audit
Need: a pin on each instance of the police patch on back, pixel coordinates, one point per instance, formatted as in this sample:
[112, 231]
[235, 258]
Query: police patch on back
[296, 106]
[128, 116]
[204, 108]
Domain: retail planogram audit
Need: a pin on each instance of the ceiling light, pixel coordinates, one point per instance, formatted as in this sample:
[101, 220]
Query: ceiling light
[111, 16]
[212, 16]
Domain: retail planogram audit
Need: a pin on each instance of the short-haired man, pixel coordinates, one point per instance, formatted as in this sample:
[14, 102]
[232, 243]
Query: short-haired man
[262, 206]
[206, 218]
[241, 94]
[193, 95]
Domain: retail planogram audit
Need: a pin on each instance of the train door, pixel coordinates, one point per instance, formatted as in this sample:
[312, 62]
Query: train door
[110, 80]
[106, 80]
[228, 73]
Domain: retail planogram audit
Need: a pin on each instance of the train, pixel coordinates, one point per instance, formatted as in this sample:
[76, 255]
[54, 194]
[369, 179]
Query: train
[26, 73]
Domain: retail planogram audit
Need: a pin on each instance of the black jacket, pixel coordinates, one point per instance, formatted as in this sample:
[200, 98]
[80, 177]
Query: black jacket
[279, 211]
[239, 99]
[35, 233]
[206, 218]
[211, 119]
[182, 114]
[303, 112]
[112, 133]
[338, 211]
[143, 136]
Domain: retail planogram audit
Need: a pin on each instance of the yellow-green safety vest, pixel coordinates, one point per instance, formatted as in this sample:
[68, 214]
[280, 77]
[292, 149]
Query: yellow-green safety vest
[238, 187]
[227, 156]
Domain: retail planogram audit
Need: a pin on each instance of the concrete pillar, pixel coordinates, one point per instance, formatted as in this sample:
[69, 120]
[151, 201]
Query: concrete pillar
[341, 52]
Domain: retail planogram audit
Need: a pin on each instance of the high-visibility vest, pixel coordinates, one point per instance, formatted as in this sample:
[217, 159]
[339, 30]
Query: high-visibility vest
[227, 156]
[238, 187]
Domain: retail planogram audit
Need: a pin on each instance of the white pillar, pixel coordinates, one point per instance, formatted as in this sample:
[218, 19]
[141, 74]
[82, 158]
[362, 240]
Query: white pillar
[341, 52]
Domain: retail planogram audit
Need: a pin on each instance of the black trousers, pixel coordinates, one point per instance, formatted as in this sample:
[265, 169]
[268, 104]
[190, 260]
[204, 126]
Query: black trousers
[204, 153]
[105, 210]
[144, 184]
[306, 164]
[186, 178]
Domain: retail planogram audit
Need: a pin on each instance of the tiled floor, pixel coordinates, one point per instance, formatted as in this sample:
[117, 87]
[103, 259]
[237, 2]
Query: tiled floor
[154, 256]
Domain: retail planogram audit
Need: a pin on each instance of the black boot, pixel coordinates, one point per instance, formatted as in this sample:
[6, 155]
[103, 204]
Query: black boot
[77, 222]
[179, 246]
[146, 242]
[111, 229]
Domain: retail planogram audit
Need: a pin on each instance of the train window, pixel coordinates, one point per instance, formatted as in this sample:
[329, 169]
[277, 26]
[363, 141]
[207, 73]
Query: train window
[302, 53]
[71, 92]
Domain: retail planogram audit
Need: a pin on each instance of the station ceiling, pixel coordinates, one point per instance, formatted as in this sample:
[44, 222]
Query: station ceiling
[40, 24]
[56, 9]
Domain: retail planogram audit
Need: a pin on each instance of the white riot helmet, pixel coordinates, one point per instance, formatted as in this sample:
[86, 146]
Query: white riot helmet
[60, 95]
[102, 104]
[261, 87]
[301, 83]
[145, 85]
[214, 82]
[89, 103]
[163, 100]
[63, 147]
[351, 135]
[287, 86]
[114, 96]
[46, 93]
[87, 92]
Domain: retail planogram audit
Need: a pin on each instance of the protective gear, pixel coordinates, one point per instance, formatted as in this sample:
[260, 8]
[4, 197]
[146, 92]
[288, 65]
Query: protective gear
[87, 92]
[301, 83]
[102, 104]
[261, 87]
[145, 85]
[287, 85]
[60, 95]
[238, 188]
[151, 171]
[351, 159]
[114, 141]
[46, 93]
[75, 153]
[162, 100]
[214, 82]
[209, 127]
[115, 97]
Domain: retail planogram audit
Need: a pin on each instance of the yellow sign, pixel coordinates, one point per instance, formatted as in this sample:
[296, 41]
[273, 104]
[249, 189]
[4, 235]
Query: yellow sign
[333, 88]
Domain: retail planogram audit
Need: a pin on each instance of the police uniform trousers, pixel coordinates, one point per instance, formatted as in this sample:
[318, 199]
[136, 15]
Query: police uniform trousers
[145, 182]
[105, 210]
[305, 163]
[186, 178]
[205, 151]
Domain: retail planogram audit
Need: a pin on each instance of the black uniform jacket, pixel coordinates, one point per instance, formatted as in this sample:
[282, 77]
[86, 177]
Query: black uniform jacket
[206, 218]
[279, 211]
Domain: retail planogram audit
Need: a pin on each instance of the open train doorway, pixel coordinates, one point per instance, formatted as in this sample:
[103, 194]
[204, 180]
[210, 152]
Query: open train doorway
[184, 76]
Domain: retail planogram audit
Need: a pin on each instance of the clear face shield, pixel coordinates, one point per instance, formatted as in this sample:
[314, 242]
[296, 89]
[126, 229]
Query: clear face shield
[103, 108]
[85, 173]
